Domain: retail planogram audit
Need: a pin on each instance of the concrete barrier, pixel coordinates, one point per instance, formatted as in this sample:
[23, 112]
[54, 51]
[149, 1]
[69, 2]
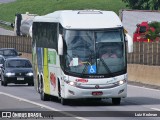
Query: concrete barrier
[144, 74]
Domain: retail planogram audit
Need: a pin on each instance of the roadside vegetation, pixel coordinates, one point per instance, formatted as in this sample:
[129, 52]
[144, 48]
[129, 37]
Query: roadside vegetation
[42, 7]
[154, 35]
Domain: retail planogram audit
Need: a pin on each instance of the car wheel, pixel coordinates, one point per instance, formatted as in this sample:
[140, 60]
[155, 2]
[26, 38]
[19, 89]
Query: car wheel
[31, 84]
[116, 101]
[1, 83]
[5, 82]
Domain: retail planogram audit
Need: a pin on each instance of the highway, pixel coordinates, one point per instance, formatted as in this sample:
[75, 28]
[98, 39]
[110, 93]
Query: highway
[6, 32]
[6, 1]
[25, 98]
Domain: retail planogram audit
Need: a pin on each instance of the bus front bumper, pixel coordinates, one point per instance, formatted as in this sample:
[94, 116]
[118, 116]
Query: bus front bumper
[72, 92]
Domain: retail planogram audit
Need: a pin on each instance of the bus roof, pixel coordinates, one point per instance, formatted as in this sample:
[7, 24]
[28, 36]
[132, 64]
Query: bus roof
[82, 19]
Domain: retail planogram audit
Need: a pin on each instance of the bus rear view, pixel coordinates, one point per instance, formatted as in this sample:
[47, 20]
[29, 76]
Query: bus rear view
[91, 56]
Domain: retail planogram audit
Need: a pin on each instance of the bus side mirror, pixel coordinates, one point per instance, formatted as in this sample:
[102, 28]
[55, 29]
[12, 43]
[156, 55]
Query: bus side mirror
[60, 45]
[129, 40]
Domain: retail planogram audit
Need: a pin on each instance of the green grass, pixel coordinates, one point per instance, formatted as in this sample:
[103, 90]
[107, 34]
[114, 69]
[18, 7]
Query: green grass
[42, 7]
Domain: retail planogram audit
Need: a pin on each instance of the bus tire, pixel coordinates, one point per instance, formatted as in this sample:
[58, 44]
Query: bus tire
[116, 101]
[38, 84]
[43, 95]
[64, 101]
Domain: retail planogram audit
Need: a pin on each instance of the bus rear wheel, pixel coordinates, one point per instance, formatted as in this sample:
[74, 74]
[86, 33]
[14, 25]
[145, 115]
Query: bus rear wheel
[43, 95]
[116, 101]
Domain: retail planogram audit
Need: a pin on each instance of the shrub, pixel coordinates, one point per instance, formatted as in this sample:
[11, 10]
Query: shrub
[153, 34]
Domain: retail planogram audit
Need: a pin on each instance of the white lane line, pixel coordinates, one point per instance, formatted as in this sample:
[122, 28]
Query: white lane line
[43, 106]
[155, 109]
[144, 88]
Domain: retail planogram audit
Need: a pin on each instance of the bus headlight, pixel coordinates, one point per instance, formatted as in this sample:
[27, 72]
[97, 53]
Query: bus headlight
[121, 82]
[71, 83]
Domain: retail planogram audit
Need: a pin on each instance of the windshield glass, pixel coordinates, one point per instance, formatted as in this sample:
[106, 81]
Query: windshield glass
[94, 51]
[8, 52]
[18, 64]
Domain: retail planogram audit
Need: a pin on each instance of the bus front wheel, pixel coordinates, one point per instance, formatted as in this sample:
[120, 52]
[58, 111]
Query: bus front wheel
[64, 101]
[116, 101]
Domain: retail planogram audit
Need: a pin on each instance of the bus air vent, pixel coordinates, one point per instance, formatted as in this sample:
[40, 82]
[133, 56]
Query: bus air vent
[90, 12]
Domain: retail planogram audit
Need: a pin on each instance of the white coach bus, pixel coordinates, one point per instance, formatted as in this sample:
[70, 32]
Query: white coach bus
[80, 54]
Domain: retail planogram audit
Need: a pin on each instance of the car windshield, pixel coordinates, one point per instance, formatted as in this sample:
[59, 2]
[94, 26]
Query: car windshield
[94, 51]
[18, 64]
[8, 52]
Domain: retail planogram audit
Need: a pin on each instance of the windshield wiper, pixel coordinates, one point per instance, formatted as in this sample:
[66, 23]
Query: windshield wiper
[106, 67]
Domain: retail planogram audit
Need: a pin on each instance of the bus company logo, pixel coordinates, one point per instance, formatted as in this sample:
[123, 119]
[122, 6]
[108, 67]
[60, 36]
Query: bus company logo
[82, 80]
[97, 86]
[6, 115]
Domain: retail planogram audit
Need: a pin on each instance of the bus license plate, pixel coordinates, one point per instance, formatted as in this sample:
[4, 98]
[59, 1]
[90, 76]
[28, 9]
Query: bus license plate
[97, 93]
[20, 78]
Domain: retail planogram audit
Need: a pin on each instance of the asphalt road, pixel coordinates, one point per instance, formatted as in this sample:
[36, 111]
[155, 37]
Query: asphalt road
[25, 98]
[6, 32]
[6, 1]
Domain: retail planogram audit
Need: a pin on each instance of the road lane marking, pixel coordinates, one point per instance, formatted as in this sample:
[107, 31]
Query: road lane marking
[43, 106]
[144, 88]
[155, 109]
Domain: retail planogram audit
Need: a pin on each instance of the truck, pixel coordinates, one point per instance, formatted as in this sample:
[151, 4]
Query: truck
[67, 55]
[130, 19]
[147, 32]
[141, 31]
[23, 24]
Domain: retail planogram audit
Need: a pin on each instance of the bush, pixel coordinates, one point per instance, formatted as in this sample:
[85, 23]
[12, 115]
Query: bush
[153, 34]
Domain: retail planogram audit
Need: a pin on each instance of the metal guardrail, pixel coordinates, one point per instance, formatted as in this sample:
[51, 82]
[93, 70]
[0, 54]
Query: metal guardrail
[6, 23]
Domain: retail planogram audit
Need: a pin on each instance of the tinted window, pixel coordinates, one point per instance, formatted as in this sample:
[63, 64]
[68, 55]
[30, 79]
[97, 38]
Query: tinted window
[18, 63]
[8, 52]
[45, 34]
[142, 29]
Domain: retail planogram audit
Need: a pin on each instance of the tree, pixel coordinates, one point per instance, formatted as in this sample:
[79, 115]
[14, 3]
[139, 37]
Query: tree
[143, 4]
[153, 34]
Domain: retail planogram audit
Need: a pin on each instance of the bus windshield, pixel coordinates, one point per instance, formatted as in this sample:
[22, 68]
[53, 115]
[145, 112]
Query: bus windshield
[94, 52]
